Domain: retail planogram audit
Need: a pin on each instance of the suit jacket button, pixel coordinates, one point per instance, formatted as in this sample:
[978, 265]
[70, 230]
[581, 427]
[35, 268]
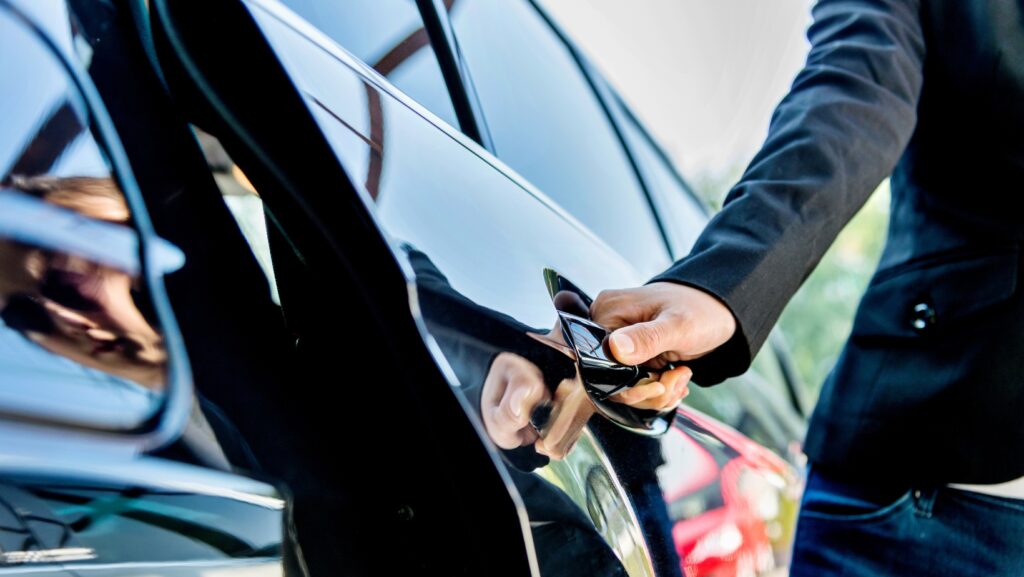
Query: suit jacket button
[924, 317]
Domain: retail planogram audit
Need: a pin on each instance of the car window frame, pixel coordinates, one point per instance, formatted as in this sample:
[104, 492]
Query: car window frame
[619, 110]
[454, 70]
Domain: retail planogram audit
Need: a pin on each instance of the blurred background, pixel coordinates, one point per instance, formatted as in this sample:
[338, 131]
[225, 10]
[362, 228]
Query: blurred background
[705, 76]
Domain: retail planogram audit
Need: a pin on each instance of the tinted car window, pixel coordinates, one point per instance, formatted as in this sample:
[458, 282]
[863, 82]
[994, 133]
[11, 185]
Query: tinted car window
[547, 123]
[389, 36]
[681, 214]
[79, 339]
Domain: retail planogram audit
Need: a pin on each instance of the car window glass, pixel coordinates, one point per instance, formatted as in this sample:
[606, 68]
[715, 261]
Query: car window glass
[79, 338]
[681, 213]
[390, 37]
[546, 122]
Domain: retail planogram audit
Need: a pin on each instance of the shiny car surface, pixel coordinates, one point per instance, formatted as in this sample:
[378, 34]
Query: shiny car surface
[349, 215]
[530, 98]
[109, 464]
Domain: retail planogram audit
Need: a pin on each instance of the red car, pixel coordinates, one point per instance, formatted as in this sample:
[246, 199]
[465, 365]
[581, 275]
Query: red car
[733, 502]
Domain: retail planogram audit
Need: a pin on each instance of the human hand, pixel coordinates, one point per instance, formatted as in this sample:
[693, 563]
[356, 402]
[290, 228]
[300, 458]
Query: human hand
[662, 322]
[660, 393]
[513, 389]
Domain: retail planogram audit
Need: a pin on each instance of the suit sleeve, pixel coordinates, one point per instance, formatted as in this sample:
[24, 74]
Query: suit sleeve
[832, 139]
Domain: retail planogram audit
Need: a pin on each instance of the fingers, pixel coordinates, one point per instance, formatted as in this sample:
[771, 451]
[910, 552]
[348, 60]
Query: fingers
[616, 308]
[641, 342]
[661, 395]
[637, 394]
[662, 321]
[677, 386]
[641, 328]
[513, 389]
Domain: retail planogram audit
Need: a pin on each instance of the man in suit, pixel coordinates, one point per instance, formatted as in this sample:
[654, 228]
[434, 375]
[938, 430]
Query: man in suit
[928, 393]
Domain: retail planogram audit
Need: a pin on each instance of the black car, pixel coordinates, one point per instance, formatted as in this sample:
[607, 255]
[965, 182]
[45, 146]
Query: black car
[259, 272]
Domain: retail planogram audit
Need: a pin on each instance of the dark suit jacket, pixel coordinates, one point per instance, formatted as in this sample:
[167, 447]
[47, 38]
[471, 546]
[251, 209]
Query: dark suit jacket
[930, 384]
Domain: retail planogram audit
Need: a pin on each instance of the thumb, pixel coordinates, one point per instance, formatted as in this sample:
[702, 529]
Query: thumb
[641, 342]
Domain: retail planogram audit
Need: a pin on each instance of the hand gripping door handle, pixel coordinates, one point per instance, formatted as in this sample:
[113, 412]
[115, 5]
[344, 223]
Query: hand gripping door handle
[601, 374]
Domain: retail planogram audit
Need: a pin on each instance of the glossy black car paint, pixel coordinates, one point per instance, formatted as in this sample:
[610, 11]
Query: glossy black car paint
[390, 501]
[431, 193]
[372, 203]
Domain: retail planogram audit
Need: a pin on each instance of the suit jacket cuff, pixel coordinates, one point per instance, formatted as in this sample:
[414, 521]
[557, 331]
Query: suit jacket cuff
[734, 356]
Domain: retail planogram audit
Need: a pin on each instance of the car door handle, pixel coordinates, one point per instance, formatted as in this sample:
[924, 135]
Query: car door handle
[602, 375]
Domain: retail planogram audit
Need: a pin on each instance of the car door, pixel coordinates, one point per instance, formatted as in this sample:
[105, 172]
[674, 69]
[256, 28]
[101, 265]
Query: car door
[415, 154]
[474, 240]
[390, 476]
[109, 464]
[551, 116]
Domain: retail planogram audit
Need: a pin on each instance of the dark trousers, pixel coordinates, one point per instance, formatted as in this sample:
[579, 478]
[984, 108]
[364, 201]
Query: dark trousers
[874, 529]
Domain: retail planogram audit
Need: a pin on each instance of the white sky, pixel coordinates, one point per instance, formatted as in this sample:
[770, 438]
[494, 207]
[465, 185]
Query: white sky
[703, 75]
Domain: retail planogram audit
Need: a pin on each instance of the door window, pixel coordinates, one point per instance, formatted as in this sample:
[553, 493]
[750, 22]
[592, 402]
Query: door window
[681, 213]
[547, 123]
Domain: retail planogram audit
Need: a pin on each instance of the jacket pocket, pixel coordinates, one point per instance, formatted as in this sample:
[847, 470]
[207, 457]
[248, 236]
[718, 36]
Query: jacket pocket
[930, 295]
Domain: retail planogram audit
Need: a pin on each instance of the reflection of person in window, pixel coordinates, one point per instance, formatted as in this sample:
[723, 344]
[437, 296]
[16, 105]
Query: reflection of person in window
[76, 308]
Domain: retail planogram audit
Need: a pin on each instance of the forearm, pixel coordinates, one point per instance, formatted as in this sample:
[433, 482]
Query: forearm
[832, 139]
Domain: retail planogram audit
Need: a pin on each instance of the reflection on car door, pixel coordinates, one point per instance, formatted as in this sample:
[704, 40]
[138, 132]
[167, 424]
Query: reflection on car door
[93, 371]
[490, 296]
[473, 239]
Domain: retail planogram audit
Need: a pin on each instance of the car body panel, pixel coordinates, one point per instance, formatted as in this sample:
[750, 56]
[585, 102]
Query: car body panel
[434, 196]
[466, 241]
